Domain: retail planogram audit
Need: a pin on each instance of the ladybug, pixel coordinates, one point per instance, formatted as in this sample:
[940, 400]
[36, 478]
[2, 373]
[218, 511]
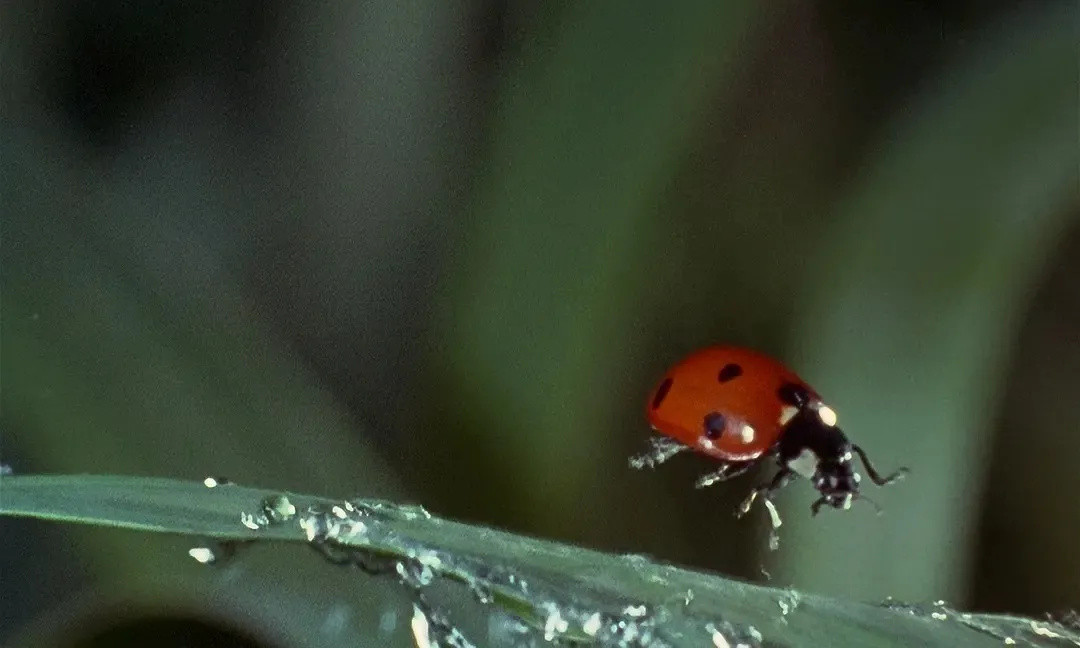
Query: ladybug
[740, 407]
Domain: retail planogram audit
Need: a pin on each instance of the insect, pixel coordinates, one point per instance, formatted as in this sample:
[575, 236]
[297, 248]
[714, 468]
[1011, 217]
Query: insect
[740, 407]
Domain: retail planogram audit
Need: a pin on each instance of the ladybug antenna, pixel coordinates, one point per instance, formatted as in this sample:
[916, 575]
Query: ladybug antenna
[874, 475]
[877, 509]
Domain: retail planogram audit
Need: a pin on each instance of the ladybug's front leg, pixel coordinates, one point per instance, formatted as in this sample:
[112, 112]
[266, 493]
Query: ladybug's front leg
[781, 479]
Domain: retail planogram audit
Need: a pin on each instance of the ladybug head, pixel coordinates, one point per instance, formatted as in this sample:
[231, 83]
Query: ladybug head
[836, 481]
[814, 447]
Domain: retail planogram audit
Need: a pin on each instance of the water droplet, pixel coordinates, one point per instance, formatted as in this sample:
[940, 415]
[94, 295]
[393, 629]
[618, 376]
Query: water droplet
[415, 574]
[316, 526]
[430, 629]
[635, 611]
[421, 628]
[480, 591]
[413, 512]
[215, 553]
[508, 630]
[900, 606]
[555, 625]
[278, 509]
[214, 482]
[204, 555]
[388, 621]
[252, 521]
[787, 602]
[725, 635]
[337, 619]
[593, 624]
[1043, 630]
[717, 637]
[6, 469]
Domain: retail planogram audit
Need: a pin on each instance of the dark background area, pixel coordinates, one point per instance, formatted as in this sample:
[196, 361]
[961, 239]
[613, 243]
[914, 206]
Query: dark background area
[440, 252]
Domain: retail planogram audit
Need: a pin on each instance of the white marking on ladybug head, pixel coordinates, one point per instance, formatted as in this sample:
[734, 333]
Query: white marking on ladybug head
[746, 433]
[827, 415]
[847, 501]
[805, 464]
[787, 412]
[705, 443]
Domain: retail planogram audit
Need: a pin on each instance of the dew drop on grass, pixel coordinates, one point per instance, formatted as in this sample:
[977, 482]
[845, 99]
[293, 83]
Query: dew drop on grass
[388, 621]
[214, 553]
[421, 628]
[336, 621]
[787, 602]
[415, 574]
[204, 555]
[214, 482]
[431, 630]
[635, 611]
[480, 591]
[508, 630]
[555, 625]
[726, 635]
[592, 624]
[253, 521]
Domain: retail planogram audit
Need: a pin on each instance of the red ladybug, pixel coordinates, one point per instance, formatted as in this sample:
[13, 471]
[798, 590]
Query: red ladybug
[739, 407]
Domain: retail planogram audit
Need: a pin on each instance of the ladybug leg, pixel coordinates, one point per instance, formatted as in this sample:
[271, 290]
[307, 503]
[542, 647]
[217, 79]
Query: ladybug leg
[874, 476]
[818, 503]
[660, 450]
[728, 470]
[779, 480]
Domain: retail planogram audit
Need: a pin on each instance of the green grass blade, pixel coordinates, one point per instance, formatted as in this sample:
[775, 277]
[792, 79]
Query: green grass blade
[582, 595]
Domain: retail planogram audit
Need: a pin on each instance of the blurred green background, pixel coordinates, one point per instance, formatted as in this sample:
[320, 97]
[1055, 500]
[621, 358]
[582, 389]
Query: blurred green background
[440, 252]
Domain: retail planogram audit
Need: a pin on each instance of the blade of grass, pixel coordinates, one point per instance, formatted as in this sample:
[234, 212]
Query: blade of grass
[538, 581]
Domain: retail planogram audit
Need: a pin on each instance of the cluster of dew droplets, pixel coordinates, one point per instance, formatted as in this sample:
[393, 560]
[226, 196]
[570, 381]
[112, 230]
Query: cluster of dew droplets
[215, 552]
[340, 532]
[273, 510]
[1010, 634]
[787, 603]
[725, 635]
[335, 534]
[430, 629]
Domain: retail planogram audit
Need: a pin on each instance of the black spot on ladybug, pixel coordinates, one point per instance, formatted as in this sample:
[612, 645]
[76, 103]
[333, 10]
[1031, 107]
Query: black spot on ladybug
[731, 371]
[793, 394]
[661, 392]
[714, 425]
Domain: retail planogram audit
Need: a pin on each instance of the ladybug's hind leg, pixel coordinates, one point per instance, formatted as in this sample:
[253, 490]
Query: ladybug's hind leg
[727, 470]
[779, 480]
